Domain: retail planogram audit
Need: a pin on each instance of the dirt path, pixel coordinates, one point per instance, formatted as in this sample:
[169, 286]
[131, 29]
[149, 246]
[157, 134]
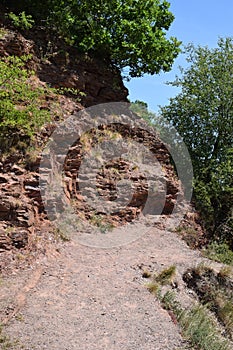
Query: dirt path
[92, 298]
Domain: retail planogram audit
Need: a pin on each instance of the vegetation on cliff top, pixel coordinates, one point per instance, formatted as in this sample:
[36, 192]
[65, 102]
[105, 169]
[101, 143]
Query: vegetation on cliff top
[127, 33]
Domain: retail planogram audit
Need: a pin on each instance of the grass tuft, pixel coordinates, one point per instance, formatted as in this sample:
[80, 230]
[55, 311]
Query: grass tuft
[5, 342]
[166, 276]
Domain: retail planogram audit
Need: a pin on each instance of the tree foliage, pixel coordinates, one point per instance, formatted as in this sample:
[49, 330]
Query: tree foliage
[203, 114]
[141, 109]
[22, 20]
[129, 33]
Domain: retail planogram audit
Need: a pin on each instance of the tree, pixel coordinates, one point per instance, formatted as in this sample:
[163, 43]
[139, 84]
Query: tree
[203, 114]
[129, 33]
[141, 109]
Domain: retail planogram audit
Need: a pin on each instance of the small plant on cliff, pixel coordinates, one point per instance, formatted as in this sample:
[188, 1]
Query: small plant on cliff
[20, 101]
[3, 32]
[99, 221]
[71, 92]
[22, 20]
[165, 277]
[214, 291]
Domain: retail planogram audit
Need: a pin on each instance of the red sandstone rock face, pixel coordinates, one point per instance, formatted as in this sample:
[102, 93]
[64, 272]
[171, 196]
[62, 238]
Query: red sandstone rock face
[16, 209]
[115, 170]
[63, 67]
[21, 206]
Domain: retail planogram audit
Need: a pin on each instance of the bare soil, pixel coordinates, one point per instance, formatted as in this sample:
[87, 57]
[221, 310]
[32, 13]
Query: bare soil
[91, 298]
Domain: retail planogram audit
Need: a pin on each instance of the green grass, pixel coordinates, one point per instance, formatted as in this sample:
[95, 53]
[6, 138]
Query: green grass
[153, 287]
[166, 276]
[214, 291]
[198, 324]
[220, 252]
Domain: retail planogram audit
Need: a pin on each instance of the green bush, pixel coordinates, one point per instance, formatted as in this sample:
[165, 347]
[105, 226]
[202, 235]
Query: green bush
[20, 112]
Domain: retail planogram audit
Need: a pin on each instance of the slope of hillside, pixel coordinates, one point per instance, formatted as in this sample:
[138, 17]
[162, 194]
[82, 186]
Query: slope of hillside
[66, 291]
[67, 83]
[58, 83]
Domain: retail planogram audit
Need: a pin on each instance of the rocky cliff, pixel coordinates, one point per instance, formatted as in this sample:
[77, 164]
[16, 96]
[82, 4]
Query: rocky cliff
[24, 225]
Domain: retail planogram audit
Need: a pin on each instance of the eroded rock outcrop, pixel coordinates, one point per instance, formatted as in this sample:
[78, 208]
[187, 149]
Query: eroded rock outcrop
[89, 79]
[21, 207]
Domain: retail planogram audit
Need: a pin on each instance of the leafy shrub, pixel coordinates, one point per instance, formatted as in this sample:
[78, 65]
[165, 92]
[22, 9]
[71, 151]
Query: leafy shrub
[20, 112]
[22, 20]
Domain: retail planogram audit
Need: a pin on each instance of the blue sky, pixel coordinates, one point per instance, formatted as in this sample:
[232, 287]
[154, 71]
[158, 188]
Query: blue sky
[199, 21]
